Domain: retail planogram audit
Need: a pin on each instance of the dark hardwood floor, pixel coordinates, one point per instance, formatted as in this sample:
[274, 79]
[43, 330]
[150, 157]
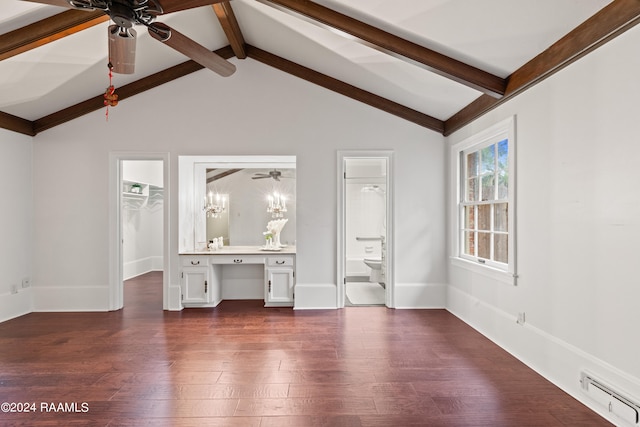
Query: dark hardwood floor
[241, 364]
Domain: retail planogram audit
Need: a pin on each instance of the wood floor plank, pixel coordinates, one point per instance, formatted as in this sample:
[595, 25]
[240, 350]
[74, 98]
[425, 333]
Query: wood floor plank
[241, 364]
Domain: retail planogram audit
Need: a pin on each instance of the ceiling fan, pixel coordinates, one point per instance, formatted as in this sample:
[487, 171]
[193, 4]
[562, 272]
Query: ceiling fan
[275, 174]
[122, 37]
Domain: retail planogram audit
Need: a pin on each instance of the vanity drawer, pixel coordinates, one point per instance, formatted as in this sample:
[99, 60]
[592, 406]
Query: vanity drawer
[194, 261]
[280, 261]
[237, 259]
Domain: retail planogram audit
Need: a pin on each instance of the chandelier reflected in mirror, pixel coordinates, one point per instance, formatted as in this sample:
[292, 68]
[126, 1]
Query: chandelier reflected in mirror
[277, 205]
[214, 208]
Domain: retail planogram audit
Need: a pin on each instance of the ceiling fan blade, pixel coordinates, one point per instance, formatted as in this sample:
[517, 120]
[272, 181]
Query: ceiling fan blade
[260, 177]
[61, 3]
[175, 5]
[190, 48]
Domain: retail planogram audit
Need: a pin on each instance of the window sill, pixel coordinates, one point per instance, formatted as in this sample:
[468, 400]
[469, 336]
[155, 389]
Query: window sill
[493, 273]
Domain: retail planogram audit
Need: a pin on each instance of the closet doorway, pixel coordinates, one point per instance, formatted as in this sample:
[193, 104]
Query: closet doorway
[365, 232]
[139, 206]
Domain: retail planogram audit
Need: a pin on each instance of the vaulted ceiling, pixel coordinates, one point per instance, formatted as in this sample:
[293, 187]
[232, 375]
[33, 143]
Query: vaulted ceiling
[437, 63]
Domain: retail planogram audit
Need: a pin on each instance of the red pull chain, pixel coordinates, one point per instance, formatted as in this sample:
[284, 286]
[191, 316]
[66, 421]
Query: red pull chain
[110, 96]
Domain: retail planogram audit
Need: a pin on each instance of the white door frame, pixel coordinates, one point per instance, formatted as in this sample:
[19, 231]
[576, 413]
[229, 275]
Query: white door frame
[116, 294]
[341, 249]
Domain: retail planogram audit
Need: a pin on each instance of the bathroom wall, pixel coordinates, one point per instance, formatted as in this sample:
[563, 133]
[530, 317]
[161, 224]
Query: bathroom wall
[365, 219]
[365, 194]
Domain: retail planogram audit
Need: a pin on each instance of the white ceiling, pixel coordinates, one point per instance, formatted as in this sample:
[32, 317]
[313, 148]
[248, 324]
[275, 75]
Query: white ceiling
[497, 36]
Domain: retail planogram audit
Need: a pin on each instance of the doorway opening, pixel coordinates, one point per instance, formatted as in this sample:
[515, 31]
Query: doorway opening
[365, 276]
[139, 226]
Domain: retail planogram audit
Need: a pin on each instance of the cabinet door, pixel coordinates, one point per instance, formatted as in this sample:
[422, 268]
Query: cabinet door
[195, 285]
[279, 285]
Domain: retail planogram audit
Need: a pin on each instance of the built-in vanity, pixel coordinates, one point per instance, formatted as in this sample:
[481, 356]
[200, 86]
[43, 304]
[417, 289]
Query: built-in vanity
[238, 272]
[227, 216]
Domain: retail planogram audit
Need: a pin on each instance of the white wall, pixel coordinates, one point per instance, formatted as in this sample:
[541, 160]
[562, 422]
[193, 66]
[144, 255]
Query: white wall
[257, 111]
[16, 243]
[578, 212]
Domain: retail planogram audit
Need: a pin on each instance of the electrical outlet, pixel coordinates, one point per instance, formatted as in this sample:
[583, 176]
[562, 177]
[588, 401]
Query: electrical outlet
[14, 289]
[521, 318]
[26, 282]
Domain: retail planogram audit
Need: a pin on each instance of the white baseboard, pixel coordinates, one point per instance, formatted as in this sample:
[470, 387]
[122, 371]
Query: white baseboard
[315, 296]
[558, 361]
[420, 295]
[319, 296]
[16, 305]
[59, 298]
[141, 266]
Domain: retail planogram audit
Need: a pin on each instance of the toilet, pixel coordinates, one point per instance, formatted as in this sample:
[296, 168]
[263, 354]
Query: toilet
[375, 263]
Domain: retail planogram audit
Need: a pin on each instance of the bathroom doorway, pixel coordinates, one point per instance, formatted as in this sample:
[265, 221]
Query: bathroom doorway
[365, 276]
[139, 226]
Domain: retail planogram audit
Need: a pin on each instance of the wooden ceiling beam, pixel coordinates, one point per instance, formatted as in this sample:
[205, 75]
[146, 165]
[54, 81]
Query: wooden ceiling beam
[436, 62]
[16, 124]
[221, 175]
[345, 89]
[48, 30]
[231, 28]
[611, 21]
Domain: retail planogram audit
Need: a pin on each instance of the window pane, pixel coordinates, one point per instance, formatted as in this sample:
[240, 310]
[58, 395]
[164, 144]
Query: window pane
[501, 217]
[503, 169]
[472, 164]
[469, 217]
[501, 248]
[503, 152]
[484, 245]
[488, 159]
[469, 243]
[488, 189]
[503, 185]
[472, 190]
[484, 217]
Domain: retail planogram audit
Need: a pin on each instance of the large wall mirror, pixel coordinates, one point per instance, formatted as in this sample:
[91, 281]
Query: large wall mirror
[235, 197]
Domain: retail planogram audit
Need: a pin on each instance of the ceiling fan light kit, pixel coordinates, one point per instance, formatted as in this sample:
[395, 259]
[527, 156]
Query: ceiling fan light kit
[122, 49]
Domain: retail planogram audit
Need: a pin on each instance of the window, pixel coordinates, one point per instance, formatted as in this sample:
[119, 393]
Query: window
[485, 167]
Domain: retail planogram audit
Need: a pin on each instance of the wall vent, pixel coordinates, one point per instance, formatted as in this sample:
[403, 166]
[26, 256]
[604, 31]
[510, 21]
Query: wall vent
[614, 402]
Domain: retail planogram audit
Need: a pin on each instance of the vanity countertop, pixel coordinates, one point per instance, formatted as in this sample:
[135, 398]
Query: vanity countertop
[243, 250]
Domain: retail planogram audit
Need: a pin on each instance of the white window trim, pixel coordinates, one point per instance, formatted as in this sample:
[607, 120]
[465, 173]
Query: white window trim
[501, 130]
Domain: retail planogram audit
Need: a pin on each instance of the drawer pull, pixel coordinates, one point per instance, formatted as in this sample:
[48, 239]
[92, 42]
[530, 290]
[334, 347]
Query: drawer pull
[195, 262]
[237, 261]
[280, 262]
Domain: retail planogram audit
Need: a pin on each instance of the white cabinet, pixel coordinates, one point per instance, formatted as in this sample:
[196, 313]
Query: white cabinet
[279, 281]
[195, 280]
[195, 285]
[279, 289]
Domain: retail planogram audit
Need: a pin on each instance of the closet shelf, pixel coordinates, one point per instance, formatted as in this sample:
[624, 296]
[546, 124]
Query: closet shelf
[149, 196]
